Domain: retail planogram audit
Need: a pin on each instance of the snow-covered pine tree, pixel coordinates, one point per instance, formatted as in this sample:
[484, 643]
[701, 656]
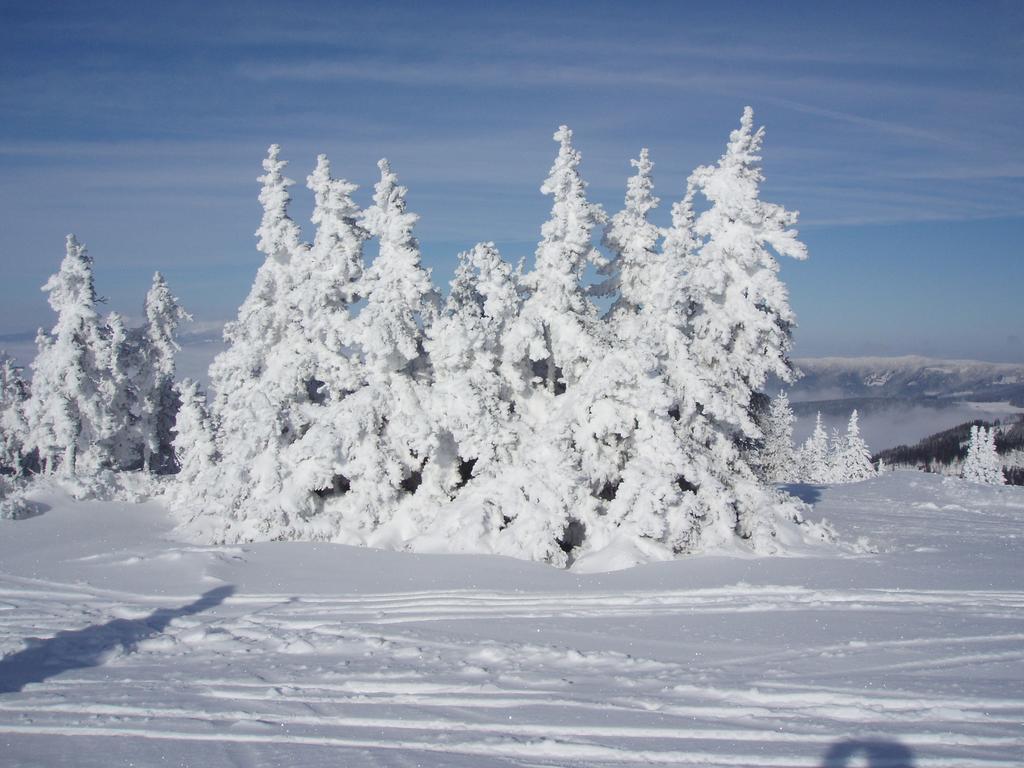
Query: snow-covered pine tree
[14, 392]
[66, 419]
[813, 459]
[557, 335]
[993, 464]
[121, 369]
[740, 319]
[632, 239]
[158, 401]
[776, 457]
[470, 399]
[539, 504]
[260, 384]
[983, 464]
[389, 437]
[636, 450]
[195, 449]
[852, 462]
[327, 283]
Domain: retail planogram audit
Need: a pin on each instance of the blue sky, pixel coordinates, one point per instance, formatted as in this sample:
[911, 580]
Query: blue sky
[894, 128]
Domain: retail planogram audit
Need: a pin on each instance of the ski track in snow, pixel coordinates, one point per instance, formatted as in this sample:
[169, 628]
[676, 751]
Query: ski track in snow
[741, 674]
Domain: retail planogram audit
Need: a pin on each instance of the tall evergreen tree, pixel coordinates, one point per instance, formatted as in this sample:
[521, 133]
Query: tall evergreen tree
[389, 437]
[557, 334]
[66, 419]
[632, 239]
[158, 398]
[260, 382]
[739, 314]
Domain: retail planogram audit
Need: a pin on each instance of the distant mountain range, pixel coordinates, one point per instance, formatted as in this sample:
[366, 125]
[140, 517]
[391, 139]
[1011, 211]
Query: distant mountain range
[874, 382]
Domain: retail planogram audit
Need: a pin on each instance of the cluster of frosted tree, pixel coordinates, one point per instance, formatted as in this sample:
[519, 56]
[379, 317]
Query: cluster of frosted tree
[983, 464]
[102, 394]
[353, 405]
[821, 459]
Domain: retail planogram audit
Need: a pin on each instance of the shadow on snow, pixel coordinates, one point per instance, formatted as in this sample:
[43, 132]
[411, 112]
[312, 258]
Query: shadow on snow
[878, 753]
[82, 648]
[806, 492]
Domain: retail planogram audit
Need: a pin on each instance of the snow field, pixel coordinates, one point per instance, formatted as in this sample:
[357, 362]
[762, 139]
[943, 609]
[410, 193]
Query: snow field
[149, 651]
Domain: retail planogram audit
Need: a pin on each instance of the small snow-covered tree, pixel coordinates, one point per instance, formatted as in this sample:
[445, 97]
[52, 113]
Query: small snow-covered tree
[851, 461]
[14, 392]
[776, 457]
[158, 401]
[983, 464]
[813, 459]
[66, 419]
[195, 448]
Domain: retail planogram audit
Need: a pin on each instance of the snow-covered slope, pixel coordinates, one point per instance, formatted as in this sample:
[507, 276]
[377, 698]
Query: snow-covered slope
[122, 646]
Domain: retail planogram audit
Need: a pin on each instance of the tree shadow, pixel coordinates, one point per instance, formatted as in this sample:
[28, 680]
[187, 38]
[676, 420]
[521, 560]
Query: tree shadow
[879, 753]
[82, 648]
[806, 492]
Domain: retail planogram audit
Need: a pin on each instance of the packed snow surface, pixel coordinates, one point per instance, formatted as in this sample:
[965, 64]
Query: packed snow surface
[122, 646]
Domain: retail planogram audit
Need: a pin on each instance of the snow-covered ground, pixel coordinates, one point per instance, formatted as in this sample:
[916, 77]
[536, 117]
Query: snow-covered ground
[123, 646]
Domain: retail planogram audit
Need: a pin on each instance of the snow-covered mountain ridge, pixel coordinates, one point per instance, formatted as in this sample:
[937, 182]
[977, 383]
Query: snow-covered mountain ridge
[910, 376]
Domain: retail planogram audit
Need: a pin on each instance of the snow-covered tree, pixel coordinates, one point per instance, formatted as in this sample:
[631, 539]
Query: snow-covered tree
[260, 381]
[540, 501]
[776, 457]
[14, 392]
[983, 464]
[739, 316]
[158, 401]
[66, 419]
[400, 298]
[327, 283]
[195, 448]
[851, 461]
[632, 239]
[813, 459]
[471, 400]
[557, 335]
[121, 370]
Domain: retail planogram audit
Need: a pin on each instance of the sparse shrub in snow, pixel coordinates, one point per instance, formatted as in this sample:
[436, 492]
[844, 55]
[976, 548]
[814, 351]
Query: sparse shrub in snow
[983, 464]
